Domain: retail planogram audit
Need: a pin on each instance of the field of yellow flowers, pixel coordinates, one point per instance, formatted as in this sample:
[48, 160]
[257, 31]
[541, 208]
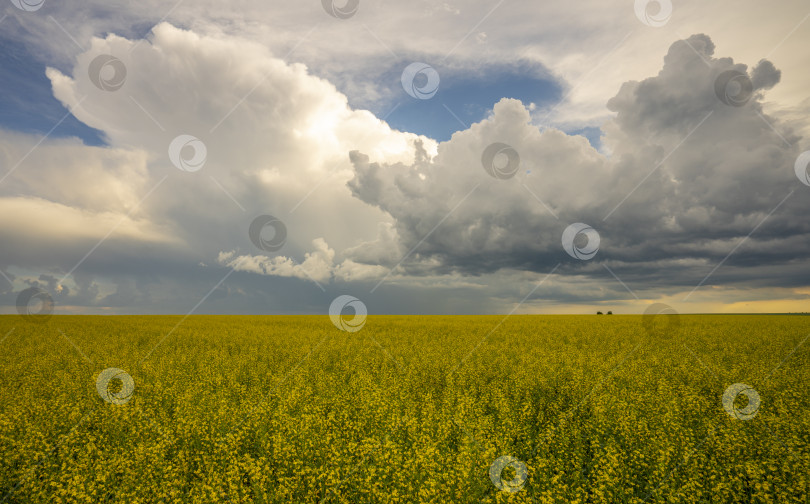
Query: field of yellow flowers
[433, 409]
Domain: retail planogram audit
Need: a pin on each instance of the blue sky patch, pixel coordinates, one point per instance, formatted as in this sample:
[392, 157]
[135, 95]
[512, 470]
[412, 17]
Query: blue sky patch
[465, 97]
[592, 133]
[27, 103]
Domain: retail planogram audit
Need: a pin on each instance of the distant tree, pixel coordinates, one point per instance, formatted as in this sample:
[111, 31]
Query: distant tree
[598, 313]
[610, 313]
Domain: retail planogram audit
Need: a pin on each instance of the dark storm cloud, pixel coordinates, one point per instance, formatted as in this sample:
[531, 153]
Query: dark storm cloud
[721, 170]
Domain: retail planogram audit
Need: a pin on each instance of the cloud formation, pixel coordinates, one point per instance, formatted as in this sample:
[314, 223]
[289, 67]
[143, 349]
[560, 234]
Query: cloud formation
[683, 178]
[688, 177]
[277, 141]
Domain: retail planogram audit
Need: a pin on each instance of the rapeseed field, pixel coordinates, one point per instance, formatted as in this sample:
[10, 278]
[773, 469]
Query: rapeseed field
[434, 409]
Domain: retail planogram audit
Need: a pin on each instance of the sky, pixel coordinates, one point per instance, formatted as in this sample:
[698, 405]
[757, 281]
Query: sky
[456, 157]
